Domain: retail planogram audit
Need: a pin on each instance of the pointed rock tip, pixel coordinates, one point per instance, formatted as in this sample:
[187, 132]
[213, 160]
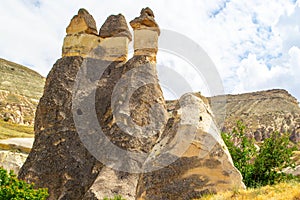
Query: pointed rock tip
[145, 21]
[83, 22]
[115, 26]
[147, 11]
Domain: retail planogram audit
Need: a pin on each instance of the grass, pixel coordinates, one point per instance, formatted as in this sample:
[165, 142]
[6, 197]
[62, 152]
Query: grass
[11, 130]
[281, 191]
[20, 80]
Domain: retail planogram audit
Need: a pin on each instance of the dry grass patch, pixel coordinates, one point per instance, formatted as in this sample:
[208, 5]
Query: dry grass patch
[281, 191]
[11, 130]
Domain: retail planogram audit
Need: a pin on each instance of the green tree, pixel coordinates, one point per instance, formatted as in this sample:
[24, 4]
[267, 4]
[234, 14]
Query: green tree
[264, 166]
[274, 155]
[12, 188]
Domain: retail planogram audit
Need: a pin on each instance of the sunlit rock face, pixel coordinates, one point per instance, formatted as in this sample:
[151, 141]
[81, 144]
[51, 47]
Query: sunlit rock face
[176, 156]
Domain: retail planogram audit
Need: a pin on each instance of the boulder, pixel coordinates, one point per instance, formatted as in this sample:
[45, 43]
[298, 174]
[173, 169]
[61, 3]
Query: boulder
[12, 160]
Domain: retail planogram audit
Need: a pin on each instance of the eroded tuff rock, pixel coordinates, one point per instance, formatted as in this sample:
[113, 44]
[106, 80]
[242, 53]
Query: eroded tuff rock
[111, 43]
[145, 21]
[115, 26]
[146, 32]
[83, 22]
[58, 159]
[102, 123]
[82, 36]
[205, 165]
[132, 114]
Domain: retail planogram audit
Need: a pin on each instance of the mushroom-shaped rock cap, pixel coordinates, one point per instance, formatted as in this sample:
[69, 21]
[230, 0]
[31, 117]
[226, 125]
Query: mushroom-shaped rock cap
[145, 21]
[115, 26]
[83, 22]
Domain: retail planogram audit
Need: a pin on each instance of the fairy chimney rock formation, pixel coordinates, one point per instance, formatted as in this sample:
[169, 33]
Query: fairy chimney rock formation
[83, 40]
[146, 32]
[145, 153]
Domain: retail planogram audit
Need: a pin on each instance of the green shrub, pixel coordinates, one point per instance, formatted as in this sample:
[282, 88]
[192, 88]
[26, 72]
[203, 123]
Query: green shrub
[12, 188]
[264, 166]
[118, 197]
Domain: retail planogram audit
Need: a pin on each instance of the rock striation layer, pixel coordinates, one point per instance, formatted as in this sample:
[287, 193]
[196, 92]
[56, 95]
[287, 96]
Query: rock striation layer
[83, 40]
[102, 126]
[146, 32]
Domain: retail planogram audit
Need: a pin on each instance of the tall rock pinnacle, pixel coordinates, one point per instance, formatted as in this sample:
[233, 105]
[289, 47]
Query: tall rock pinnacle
[146, 32]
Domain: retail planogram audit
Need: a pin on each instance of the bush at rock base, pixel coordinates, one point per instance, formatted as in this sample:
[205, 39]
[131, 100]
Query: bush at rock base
[118, 197]
[12, 188]
[264, 166]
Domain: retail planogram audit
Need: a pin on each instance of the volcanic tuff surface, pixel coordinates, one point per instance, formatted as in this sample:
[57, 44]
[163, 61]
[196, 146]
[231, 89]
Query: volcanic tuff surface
[262, 112]
[128, 103]
[20, 91]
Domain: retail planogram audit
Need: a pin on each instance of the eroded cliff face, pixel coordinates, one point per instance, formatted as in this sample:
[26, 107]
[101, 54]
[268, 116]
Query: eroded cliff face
[262, 112]
[20, 90]
[102, 126]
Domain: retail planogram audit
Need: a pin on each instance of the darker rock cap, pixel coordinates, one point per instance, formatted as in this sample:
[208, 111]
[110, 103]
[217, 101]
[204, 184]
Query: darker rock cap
[115, 26]
[145, 21]
[89, 20]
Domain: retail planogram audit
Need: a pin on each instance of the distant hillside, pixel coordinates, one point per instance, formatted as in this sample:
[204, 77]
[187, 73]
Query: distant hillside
[20, 91]
[262, 112]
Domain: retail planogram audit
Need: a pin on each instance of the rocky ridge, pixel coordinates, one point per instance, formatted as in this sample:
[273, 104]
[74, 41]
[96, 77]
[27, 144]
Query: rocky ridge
[262, 112]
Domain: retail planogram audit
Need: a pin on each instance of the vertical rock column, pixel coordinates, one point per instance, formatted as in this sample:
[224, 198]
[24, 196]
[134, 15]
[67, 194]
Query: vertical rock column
[59, 160]
[146, 32]
[82, 36]
[132, 113]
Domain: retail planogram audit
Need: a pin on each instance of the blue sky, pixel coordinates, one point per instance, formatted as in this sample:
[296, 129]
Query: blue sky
[255, 45]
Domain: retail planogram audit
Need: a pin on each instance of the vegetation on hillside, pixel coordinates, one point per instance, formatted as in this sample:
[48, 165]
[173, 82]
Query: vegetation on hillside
[11, 130]
[261, 165]
[20, 91]
[12, 188]
[117, 197]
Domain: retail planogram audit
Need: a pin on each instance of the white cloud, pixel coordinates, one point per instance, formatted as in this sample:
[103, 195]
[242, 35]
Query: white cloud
[254, 44]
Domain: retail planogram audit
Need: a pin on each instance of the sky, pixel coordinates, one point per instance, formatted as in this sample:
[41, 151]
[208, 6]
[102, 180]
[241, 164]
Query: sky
[254, 45]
